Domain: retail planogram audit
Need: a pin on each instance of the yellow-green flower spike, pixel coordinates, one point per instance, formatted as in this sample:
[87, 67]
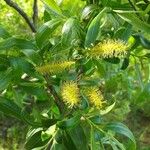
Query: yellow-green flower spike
[95, 97]
[70, 93]
[109, 48]
[54, 68]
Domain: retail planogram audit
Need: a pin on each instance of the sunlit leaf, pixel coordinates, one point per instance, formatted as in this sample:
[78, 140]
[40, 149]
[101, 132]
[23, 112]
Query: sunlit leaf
[45, 31]
[94, 28]
[52, 5]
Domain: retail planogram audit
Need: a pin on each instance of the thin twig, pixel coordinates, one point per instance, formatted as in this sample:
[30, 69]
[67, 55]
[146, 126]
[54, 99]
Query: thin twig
[22, 13]
[35, 12]
[56, 97]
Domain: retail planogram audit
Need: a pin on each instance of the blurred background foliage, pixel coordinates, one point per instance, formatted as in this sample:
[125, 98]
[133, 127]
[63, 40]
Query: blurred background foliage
[127, 81]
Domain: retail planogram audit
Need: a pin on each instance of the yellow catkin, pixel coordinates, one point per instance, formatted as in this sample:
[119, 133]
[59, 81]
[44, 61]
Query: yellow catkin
[109, 48]
[54, 68]
[95, 97]
[70, 93]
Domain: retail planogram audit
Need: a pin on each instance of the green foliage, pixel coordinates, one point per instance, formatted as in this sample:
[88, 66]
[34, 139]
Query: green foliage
[86, 118]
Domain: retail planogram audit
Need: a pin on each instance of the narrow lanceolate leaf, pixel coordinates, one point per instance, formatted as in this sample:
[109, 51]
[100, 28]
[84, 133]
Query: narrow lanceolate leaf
[121, 129]
[116, 145]
[33, 55]
[78, 138]
[45, 32]
[34, 139]
[134, 20]
[48, 133]
[71, 32]
[3, 33]
[5, 79]
[52, 6]
[12, 42]
[92, 144]
[107, 109]
[93, 29]
[10, 108]
[88, 10]
[70, 123]
[124, 33]
[125, 63]
[144, 42]
[4, 62]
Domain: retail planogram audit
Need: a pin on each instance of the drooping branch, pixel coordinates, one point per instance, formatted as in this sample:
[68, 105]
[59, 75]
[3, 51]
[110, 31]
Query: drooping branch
[35, 12]
[22, 13]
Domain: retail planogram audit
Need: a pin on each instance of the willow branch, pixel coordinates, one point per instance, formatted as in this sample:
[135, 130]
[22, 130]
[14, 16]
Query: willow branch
[22, 13]
[35, 12]
[56, 98]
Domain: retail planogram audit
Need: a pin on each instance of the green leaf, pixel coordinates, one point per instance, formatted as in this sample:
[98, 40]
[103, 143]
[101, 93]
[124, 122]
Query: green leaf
[32, 55]
[96, 119]
[34, 139]
[56, 146]
[4, 62]
[67, 141]
[121, 129]
[134, 20]
[7, 44]
[35, 89]
[116, 4]
[125, 63]
[142, 97]
[48, 133]
[107, 109]
[71, 32]
[93, 29]
[8, 107]
[24, 44]
[113, 145]
[47, 122]
[12, 42]
[124, 32]
[88, 10]
[100, 68]
[52, 5]
[145, 42]
[47, 16]
[105, 2]
[5, 79]
[45, 31]
[3, 33]
[116, 145]
[92, 143]
[20, 66]
[78, 137]
[70, 123]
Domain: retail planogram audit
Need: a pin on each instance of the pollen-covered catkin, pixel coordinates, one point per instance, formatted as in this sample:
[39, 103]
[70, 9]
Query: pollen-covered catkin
[70, 93]
[109, 48]
[54, 68]
[95, 97]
